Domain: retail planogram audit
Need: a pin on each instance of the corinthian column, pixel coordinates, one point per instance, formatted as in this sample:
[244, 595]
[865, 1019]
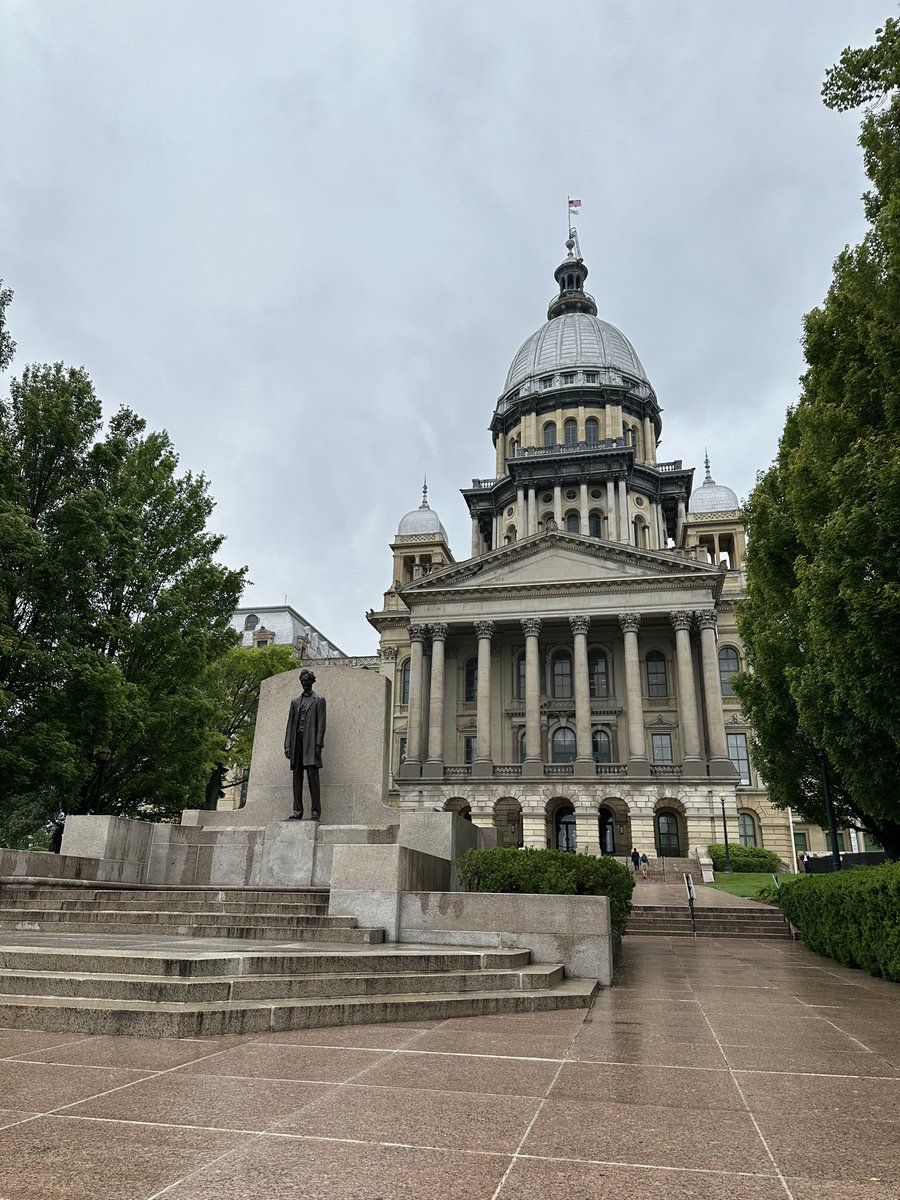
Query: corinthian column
[687, 697]
[719, 763]
[484, 631]
[634, 702]
[434, 765]
[531, 627]
[580, 626]
[413, 765]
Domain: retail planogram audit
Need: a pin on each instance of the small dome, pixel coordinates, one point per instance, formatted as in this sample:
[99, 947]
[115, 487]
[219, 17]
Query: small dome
[421, 520]
[713, 497]
[572, 340]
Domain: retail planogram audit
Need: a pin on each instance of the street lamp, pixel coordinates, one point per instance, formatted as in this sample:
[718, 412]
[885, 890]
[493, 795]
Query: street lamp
[728, 866]
[103, 754]
[829, 812]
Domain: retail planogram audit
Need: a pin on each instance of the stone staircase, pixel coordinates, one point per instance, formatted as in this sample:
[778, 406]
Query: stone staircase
[195, 962]
[668, 920]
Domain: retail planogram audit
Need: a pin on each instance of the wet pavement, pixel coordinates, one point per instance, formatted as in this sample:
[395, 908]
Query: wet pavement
[714, 1069]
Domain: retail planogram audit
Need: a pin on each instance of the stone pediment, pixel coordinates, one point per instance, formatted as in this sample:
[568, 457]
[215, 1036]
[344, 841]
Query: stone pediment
[561, 558]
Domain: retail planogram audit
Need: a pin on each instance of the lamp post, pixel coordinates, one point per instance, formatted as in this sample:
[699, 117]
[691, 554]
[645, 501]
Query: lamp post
[728, 866]
[829, 812]
[102, 755]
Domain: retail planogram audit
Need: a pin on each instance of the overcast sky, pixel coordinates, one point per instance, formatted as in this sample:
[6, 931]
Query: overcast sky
[308, 238]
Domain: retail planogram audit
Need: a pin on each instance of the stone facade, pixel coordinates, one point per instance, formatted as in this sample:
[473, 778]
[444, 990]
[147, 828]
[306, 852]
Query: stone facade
[568, 683]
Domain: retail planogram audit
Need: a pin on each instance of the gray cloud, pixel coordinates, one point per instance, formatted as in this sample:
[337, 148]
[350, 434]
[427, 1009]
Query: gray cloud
[307, 239]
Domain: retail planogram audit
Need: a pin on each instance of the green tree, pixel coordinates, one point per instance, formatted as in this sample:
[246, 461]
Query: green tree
[822, 617]
[112, 608]
[234, 681]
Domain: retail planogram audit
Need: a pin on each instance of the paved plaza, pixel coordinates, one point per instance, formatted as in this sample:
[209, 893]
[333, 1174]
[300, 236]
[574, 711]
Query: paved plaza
[715, 1069]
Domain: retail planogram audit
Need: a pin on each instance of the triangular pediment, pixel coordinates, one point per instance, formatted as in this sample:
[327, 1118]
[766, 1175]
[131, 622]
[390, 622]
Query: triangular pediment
[561, 558]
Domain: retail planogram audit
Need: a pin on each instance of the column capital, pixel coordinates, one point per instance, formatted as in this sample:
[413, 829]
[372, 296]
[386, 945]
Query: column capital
[531, 626]
[438, 631]
[418, 633]
[707, 618]
[681, 618]
[579, 624]
[389, 653]
[630, 622]
[484, 629]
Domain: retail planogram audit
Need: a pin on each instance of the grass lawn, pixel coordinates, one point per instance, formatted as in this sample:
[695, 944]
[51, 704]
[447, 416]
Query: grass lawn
[741, 883]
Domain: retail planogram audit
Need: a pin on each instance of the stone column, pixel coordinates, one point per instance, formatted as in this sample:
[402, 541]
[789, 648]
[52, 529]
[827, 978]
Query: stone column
[687, 696]
[532, 512]
[476, 537]
[584, 759]
[682, 517]
[649, 447]
[412, 768]
[634, 701]
[533, 765]
[521, 514]
[583, 509]
[434, 765]
[720, 765]
[557, 505]
[483, 766]
[612, 520]
[661, 526]
[534, 826]
[622, 507]
[587, 828]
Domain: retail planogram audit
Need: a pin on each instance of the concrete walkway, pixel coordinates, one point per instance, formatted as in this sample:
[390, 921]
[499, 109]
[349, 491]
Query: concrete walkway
[743, 1070]
[647, 892]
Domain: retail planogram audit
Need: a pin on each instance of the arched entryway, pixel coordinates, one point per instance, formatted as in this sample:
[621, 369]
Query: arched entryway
[508, 821]
[668, 834]
[461, 806]
[564, 827]
[606, 825]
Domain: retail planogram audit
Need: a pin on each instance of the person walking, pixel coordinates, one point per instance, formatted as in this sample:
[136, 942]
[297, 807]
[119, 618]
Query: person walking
[645, 865]
[635, 859]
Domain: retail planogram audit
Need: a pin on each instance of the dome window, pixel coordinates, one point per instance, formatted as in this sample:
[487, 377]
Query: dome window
[570, 432]
[251, 621]
[595, 525]
[547, 383]
[592, 431]
[571, 494]
[591, 377]
[568, 379]
[549, 434]
[573, 523]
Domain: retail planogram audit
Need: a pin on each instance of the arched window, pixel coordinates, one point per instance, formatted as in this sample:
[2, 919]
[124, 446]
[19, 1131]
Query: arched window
[606, 827]
[746, 829]
[564, 825]
[573, 523]
[631, 436]
[601, 746]
[561, 675]
[251, 621]
[511, 534]
[668, 841]
[657, 683]
[729, 664]
[595, 525]
[404, 682]
[522, 748]
[519, 677]
[550, 434]
[562, 745]
[570, 431]
[470, 691]
[598, 674]
[592, 430]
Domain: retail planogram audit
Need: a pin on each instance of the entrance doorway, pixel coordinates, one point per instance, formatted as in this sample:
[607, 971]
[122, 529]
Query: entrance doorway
[668, 841]
[606, 824]
[564, 820]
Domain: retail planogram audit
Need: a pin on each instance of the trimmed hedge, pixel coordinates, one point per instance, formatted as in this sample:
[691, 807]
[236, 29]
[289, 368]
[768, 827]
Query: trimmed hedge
[550, 873]
[744, 858]
[852, 916]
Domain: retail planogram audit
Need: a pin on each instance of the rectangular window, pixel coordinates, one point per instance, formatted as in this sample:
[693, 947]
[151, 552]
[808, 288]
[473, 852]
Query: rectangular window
[590, 377]
[662, 747]
[402, 748]
[801, 842]
[737, 752]
[842, 847]
[547, 383]
[468, 749]
[568, 378]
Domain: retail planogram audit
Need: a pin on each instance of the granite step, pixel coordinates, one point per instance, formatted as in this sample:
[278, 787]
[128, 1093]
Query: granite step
[150, 1019]
[209, 927]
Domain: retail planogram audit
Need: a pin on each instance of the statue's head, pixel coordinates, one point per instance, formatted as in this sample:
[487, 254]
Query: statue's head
[307, 678]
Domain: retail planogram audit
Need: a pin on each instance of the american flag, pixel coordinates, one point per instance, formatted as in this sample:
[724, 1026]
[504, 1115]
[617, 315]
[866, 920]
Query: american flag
[574, 205]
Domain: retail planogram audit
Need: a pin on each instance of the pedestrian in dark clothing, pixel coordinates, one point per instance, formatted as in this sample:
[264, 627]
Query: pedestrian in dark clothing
[635, 859]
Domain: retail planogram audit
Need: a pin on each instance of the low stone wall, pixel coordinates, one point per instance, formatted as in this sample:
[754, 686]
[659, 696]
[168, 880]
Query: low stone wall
[572, 930]
[367, 882]
[65, 868]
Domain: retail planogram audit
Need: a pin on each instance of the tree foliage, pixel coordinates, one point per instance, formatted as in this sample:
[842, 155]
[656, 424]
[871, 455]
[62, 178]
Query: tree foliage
[822, 618]
[112, 608]
[234, 681]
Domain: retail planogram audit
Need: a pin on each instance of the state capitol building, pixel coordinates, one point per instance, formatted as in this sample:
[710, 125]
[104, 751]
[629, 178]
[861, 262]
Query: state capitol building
[569, 682]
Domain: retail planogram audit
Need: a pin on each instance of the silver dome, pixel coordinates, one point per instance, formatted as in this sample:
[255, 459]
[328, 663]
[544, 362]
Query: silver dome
[713, 497]
[574, 339]
[421, 520]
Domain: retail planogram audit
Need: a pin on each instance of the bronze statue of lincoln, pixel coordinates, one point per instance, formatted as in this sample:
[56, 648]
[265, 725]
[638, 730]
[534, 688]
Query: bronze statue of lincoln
[304, 740]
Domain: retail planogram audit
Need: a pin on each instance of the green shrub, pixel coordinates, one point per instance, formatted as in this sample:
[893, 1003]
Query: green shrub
[550, 872]
[852, 916]
[768, 893]
[744, 858]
